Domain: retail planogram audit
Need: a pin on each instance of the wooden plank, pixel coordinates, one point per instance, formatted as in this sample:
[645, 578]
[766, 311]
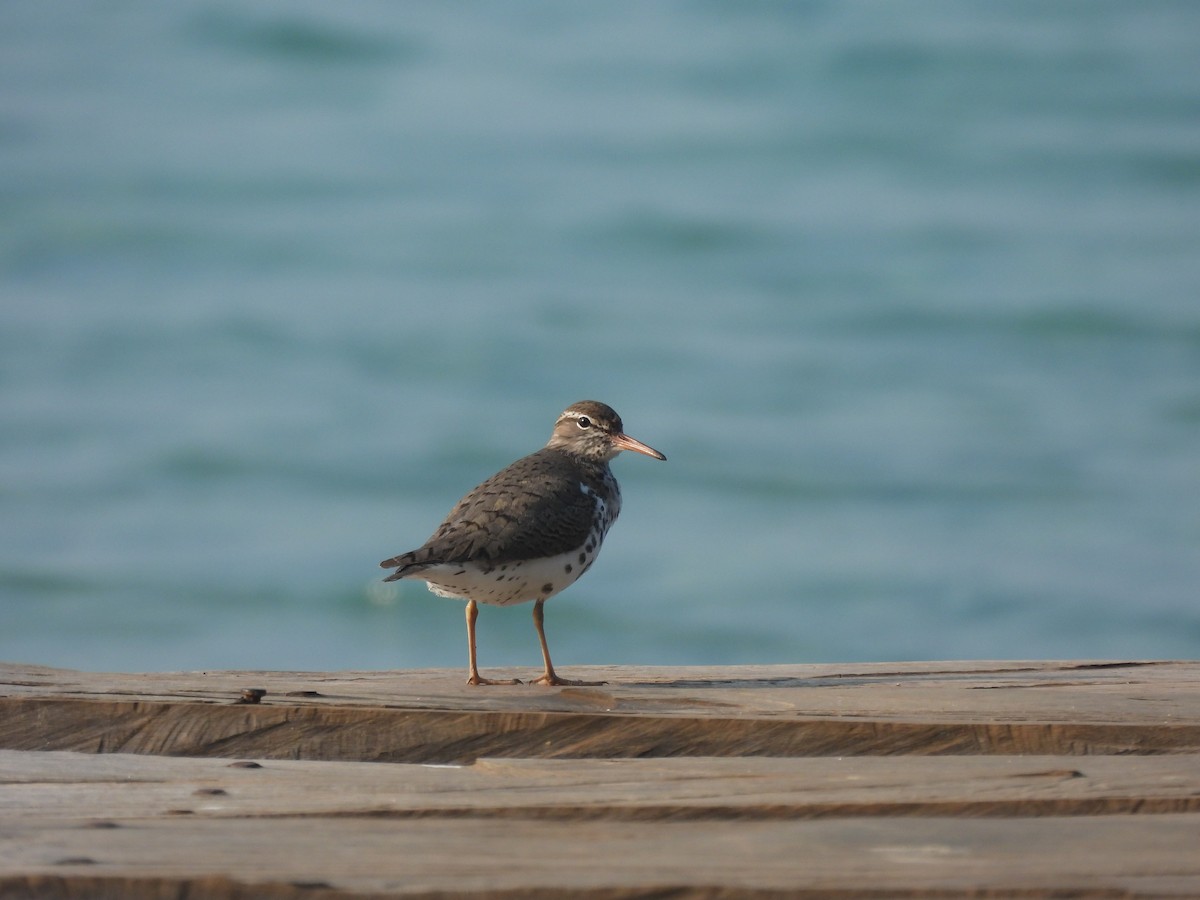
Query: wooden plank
[799, 781]
[118, 786]
[1114, 856]
[77, 824]
[1048, 708]
[1081, 691]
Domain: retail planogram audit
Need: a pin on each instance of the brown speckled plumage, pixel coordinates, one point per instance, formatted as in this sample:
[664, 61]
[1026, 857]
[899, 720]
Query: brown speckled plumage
[530, 509]
[532, 528]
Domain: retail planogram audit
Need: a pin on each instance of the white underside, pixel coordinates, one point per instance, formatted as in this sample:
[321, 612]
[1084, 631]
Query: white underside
[510, 583]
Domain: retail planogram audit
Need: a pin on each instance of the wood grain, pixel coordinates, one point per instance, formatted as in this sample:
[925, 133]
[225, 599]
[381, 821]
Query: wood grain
[1033, 780]
[1147, 855]
[618, 790]
[1074, 708]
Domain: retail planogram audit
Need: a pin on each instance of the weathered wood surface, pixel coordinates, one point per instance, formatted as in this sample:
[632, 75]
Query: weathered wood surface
[906, 826]
[798, 781]
[1038, 858]
[755, 788]
[432, 716]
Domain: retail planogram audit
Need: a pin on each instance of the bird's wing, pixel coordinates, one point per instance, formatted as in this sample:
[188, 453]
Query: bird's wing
[535, 507]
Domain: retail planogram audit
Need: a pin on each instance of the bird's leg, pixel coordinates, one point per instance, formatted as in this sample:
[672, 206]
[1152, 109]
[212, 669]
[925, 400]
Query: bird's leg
[473, 678]
[550, 677]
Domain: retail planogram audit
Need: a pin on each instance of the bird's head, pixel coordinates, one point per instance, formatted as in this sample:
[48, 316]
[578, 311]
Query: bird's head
[594, 431]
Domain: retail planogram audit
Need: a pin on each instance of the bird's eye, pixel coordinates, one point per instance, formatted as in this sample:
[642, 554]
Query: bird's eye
[584, 422]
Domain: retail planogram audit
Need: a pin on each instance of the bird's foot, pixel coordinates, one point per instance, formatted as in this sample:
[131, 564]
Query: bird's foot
[552, 679]
[476, 679]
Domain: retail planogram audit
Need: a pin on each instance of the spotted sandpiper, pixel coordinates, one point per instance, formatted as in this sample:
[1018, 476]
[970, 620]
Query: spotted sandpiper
[531, 529]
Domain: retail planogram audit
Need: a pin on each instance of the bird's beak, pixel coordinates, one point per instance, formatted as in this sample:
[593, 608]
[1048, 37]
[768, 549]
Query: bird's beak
[624, 442]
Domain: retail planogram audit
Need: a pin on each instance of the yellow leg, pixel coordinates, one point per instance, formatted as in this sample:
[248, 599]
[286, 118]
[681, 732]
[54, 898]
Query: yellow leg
[550, 677]
[473, 677]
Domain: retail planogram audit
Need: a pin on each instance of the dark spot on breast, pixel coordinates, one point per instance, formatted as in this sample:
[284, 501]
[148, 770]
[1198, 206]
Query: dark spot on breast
[567, 568]
[547, 588]
[499, 577]
[589, 547]
[583, 557]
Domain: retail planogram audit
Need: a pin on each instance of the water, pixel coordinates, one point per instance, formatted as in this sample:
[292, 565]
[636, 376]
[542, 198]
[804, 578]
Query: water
[908, 294]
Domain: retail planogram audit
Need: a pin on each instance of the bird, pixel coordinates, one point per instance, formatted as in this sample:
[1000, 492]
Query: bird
[531, 530]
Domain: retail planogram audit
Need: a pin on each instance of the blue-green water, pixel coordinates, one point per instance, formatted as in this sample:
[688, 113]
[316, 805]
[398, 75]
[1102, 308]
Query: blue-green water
[909, 293]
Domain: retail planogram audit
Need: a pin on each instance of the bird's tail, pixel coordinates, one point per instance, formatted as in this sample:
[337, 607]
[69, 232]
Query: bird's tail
[404, 564]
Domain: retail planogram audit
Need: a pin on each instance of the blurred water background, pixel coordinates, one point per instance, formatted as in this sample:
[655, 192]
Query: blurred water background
[909, 294]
